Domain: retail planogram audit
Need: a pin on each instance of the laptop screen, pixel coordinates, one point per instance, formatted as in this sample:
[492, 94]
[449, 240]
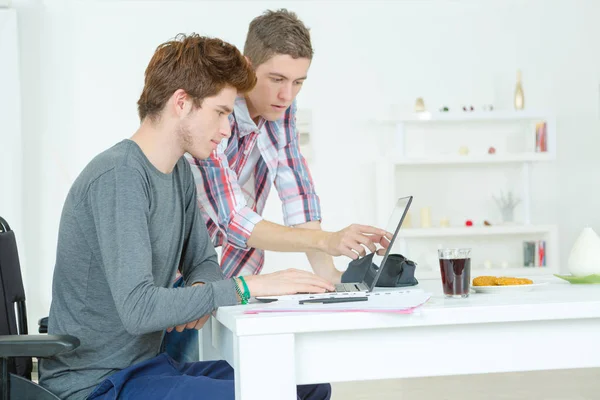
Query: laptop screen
[393, 226]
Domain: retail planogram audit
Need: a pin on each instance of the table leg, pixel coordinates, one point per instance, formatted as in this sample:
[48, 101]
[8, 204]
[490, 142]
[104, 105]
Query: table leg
[209, 341]
[265, 367]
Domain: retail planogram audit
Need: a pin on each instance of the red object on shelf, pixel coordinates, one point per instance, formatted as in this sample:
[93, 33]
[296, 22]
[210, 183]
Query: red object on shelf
[469, 223]
[541, 137]
[491, 150]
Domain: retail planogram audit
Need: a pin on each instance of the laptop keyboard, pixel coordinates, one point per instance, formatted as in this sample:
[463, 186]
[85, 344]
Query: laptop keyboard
[346, 287]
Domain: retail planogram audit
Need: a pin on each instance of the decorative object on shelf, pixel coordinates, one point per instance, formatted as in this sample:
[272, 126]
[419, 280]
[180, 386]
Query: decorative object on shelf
[444, 222]
[541, 137]
[507, 206]
[419, 105]
[486, 223]
[407, 223]
[468, 108]
[529, 253]
[584, 258]
[540, 253]
[534, 253]
[469, 223]
[487, 107]
[492, 150]
[444, 109]
[487, 264]
[425, 217]
[463, 150]
[519, 96]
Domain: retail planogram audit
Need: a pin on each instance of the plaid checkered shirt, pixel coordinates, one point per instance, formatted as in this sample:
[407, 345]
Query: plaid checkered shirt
[230, 210]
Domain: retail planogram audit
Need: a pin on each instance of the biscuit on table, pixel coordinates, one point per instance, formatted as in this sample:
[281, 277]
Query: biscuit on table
[507, 280]
[485, 281]
[501, 281]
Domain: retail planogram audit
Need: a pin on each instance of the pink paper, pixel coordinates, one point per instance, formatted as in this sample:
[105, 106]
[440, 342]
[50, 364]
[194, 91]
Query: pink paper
[367, 310]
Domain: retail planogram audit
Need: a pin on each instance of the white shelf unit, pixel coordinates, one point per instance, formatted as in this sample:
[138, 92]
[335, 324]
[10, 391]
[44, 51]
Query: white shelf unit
[480, 159]
[474, 231]
[399, 156]
[461, 116]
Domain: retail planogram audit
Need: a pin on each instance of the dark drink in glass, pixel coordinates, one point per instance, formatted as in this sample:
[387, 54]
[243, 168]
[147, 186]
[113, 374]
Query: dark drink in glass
[455, 269]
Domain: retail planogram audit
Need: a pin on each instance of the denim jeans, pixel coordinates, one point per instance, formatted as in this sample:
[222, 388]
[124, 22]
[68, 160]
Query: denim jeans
[162, 378]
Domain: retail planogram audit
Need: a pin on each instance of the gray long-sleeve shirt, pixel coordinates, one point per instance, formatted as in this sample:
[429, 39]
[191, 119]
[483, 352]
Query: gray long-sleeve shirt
[125, 229]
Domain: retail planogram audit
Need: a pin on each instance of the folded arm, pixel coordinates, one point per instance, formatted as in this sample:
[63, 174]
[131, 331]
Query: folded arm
[120, 208]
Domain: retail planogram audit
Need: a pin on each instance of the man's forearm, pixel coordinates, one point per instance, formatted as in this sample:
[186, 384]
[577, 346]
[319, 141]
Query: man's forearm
[274, 237]
[353, 241]
[321, 262]
[306, 238]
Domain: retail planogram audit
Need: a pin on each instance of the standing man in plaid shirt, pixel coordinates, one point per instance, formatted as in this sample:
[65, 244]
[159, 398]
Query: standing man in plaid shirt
[263, 151]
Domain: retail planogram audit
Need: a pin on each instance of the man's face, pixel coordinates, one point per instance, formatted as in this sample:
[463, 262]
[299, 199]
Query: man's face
[202, 129]
[278, 82]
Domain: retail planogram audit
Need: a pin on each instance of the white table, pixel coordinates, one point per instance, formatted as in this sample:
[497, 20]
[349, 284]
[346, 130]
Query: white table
[557, 326]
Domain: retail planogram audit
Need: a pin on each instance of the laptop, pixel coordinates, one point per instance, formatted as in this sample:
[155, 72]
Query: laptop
[370, 280]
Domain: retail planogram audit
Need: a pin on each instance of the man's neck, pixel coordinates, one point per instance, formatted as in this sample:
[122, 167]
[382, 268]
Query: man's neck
[254, 115]
[159, 145]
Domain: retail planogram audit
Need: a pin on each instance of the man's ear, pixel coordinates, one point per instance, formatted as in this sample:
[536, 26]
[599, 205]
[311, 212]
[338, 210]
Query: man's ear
[181, 102]
[248, 60]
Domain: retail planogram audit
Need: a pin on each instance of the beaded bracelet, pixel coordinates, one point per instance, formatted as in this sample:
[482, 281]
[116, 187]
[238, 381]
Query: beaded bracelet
[247, 294]
[239, 292]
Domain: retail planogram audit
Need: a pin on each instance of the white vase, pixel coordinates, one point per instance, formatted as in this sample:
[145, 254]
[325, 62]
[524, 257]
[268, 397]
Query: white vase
[584, 258]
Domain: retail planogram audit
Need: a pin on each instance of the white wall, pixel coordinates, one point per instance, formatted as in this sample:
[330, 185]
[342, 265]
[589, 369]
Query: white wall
[82, 71]
[11, 165]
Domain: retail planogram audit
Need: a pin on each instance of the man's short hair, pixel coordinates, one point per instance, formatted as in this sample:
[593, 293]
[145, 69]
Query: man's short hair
[199, 65]
[277, 32]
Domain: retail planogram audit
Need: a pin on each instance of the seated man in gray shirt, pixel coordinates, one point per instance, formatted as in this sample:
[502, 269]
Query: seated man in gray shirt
[131, 221]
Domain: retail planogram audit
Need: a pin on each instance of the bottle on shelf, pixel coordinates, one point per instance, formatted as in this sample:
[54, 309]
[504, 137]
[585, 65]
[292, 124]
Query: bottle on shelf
[519, 96]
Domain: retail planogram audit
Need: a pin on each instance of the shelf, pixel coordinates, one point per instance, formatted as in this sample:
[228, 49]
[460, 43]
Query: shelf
[482, 159]
[430, 140]
[474, 231]
[513, 272]
[463, 116]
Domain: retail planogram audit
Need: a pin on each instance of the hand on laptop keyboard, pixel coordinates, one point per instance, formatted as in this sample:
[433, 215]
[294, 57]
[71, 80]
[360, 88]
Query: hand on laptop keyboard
[289, 281]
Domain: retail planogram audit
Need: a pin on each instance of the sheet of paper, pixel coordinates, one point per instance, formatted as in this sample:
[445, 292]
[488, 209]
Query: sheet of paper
[390, 302]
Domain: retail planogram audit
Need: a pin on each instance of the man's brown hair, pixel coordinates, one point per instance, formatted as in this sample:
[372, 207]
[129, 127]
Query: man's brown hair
[277, 32]
[199, 65]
